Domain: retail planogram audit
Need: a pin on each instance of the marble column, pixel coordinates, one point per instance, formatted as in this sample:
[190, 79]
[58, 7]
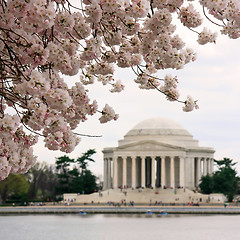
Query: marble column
[208, 169]
[193, 170]
[182, 172]
[124, 181]
[148, 171]
[204, 167]
[109, 183]
[153, 173]
[172, 172]
[143, 177]
[134, 172]
[158, 173]
[115, 172]
[105, 174]
[211, 165]
[163, 172]
[198, 170]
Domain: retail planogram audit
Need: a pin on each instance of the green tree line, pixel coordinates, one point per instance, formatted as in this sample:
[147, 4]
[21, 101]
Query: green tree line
[224, 180]
[45, 182]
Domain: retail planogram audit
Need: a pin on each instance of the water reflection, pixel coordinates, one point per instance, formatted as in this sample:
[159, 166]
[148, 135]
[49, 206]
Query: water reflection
[119, 226]
[136, 215]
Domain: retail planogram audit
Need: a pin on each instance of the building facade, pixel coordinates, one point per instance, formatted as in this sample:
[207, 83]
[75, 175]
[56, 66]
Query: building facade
[157, 153]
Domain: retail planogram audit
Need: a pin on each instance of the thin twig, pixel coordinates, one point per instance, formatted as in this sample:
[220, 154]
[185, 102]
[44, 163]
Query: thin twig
[210, 19]
[87, 135]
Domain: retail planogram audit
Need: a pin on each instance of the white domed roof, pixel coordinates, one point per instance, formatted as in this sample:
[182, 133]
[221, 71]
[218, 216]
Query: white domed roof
[158, 123]
[158, 126]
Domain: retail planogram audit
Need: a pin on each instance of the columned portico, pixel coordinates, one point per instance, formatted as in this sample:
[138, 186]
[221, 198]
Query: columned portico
[159, 155]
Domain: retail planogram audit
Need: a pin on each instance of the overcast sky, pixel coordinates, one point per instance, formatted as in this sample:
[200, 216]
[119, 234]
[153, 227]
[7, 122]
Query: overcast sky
[213, 79]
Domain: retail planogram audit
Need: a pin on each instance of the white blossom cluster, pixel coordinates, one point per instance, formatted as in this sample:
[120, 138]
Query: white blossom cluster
[108, 114]
[206, 36]
[170, 88]
[190, 17]
[16, 153]
[228, 12]
[190, 104]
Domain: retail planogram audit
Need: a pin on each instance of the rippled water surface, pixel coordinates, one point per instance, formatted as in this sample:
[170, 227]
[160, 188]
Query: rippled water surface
[116, 227]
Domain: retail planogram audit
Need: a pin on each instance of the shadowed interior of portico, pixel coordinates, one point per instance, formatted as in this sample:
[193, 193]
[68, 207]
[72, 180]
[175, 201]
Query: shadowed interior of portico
[151, 172]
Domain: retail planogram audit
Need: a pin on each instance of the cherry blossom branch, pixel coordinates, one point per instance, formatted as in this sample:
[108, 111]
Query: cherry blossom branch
[87, 135]
[210, 19]
[170, 96]
[69, 4]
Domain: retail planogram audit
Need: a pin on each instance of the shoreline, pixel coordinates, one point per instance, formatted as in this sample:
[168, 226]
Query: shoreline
[118, 210]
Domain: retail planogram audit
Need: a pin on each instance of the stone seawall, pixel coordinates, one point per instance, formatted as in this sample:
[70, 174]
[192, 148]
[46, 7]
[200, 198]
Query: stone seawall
[117, 210]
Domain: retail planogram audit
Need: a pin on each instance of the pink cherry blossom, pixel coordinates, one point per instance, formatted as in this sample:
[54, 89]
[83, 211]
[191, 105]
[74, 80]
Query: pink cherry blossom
[41, 41]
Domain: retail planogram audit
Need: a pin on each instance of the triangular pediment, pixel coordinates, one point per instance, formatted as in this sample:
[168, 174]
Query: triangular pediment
[149, 145]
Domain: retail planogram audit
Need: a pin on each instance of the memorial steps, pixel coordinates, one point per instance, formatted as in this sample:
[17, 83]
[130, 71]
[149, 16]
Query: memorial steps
[145, 196]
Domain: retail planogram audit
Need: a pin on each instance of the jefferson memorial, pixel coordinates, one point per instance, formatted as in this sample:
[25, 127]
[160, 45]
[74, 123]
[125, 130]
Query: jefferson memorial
[156, 153]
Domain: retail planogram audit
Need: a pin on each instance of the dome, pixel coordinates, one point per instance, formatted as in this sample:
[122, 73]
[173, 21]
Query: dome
[158, 123]
[157, 126]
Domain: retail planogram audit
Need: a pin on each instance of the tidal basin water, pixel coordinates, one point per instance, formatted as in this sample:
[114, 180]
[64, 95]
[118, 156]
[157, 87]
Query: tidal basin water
[116, 227]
